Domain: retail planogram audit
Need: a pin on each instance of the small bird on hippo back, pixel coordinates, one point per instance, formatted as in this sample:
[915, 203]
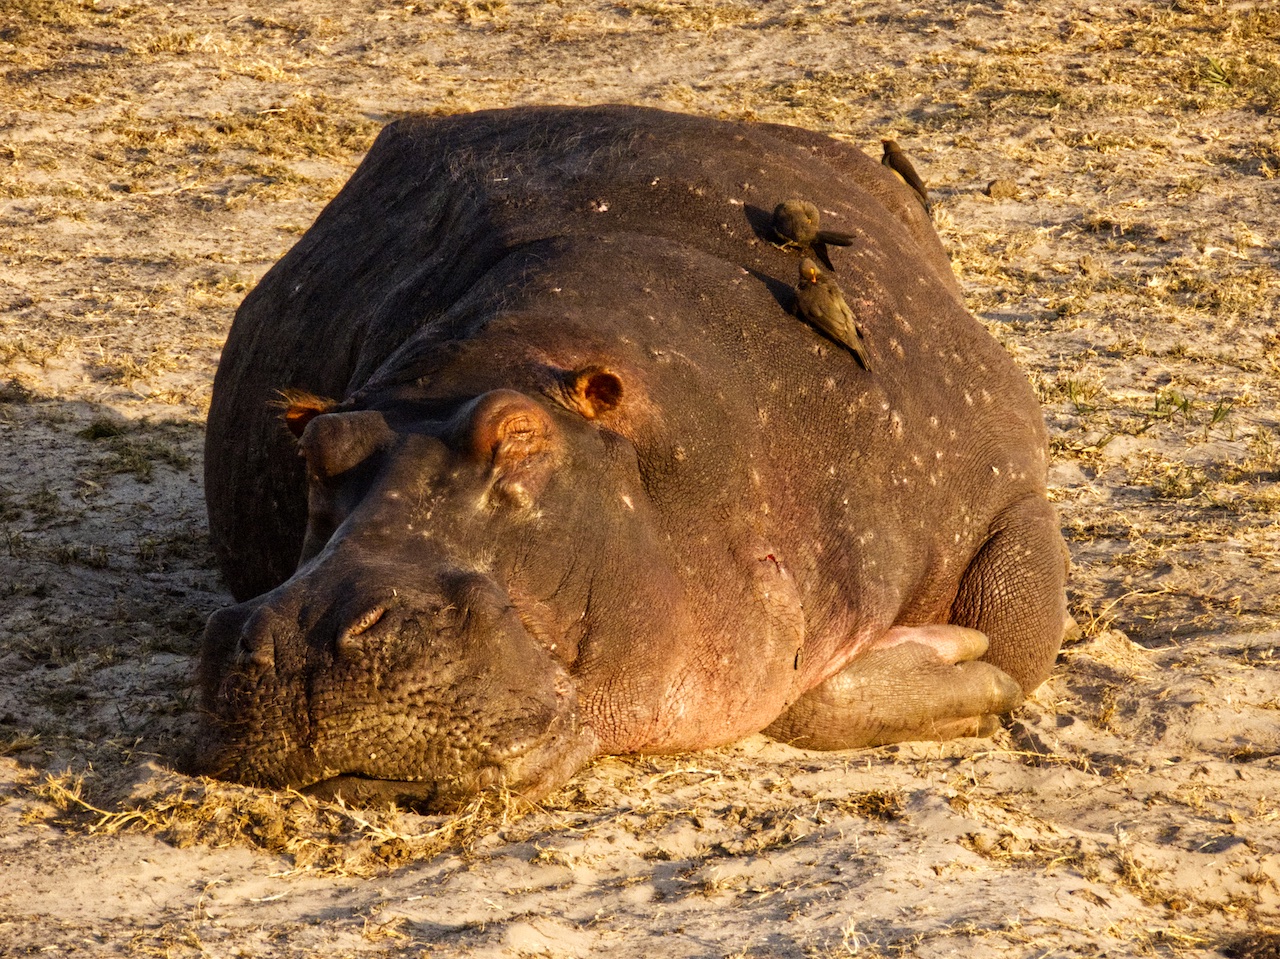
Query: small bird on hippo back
[896, 160]
[798, 225]
[820, 303]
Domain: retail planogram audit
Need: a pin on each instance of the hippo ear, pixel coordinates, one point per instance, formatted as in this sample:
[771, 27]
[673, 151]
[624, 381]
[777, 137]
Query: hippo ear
[299, 408]
[336, 442]
[592, 391]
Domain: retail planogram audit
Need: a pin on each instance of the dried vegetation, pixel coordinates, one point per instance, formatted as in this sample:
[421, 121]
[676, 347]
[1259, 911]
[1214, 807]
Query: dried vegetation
[156, 159]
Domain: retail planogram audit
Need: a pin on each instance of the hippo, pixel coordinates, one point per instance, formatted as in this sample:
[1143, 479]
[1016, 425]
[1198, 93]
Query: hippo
[520, 456]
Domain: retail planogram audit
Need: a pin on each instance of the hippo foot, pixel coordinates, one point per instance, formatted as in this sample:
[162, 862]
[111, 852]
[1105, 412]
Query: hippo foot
[918, 683]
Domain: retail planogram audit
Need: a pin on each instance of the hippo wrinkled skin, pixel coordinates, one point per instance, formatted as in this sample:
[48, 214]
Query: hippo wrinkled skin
[519, 457]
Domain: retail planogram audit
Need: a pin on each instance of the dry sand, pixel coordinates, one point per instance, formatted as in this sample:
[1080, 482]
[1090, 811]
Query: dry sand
[156, 158]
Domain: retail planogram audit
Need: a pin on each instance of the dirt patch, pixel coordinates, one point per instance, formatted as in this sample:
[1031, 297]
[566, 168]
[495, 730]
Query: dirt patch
[156, 159]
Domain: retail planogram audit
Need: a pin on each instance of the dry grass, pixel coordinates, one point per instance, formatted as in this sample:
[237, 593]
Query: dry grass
[317, 838]
[157, 159]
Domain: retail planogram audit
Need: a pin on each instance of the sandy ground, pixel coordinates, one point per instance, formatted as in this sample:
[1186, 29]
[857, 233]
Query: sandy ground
[156, 158]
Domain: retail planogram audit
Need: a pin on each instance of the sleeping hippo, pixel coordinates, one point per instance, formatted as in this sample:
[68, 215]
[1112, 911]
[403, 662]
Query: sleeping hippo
[520, 456]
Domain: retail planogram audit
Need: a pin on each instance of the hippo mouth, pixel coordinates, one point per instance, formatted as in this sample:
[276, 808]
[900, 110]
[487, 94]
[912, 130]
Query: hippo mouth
[531, 773]
[422, 796]
[528, 752]
[531, 770]
[530, 766]
[424, 703]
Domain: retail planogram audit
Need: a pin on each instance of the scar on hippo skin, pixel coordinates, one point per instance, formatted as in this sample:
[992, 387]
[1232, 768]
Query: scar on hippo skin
[783, 607]
[797, 223]
[820, 303]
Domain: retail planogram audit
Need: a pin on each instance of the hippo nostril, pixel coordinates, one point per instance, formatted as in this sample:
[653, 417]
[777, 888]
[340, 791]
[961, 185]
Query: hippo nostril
[348, 641]
[255, 635]
[366, 621]
[257, 646]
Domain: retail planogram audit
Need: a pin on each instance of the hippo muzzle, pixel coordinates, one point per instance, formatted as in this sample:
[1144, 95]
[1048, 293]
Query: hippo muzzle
[422, 697]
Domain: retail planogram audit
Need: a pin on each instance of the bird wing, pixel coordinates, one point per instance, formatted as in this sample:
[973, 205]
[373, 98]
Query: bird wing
[836, 239]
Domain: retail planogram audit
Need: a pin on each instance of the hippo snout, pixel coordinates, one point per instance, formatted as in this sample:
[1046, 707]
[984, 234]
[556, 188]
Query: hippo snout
[419, 696]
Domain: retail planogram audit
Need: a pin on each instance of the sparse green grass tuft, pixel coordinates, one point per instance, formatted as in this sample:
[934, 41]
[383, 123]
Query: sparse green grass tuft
[135, 450]
[103, 428]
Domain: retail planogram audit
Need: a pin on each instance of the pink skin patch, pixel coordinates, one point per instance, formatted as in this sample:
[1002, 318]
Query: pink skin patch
[954, 644]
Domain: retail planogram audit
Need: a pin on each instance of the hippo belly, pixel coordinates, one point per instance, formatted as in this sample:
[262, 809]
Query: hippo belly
[522, 455]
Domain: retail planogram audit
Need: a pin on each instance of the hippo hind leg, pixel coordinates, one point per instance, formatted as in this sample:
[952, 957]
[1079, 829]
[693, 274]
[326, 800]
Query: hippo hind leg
[1014, 591]
[918, 683]
[944, 681]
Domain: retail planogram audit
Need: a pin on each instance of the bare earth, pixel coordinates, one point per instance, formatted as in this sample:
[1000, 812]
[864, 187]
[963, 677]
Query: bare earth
[155, 159]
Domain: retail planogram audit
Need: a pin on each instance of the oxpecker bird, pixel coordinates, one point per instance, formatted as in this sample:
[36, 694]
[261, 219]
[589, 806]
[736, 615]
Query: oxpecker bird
[797, 224]
[897, 161]
[821, 304]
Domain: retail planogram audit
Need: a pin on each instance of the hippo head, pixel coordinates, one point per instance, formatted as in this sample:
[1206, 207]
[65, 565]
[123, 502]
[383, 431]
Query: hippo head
[428, 643]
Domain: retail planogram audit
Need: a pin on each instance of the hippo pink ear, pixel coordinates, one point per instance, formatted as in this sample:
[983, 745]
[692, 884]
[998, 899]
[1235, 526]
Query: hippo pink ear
[513, 434]
[593, 391]
[300, 408]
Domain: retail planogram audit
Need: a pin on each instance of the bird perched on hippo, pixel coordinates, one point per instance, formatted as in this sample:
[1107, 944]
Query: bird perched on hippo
[896, 159]
[797, 224]
[559, 474]
[820, 302]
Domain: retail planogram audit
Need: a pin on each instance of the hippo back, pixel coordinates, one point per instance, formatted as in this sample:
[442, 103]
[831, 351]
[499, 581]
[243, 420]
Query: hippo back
[440, 210]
